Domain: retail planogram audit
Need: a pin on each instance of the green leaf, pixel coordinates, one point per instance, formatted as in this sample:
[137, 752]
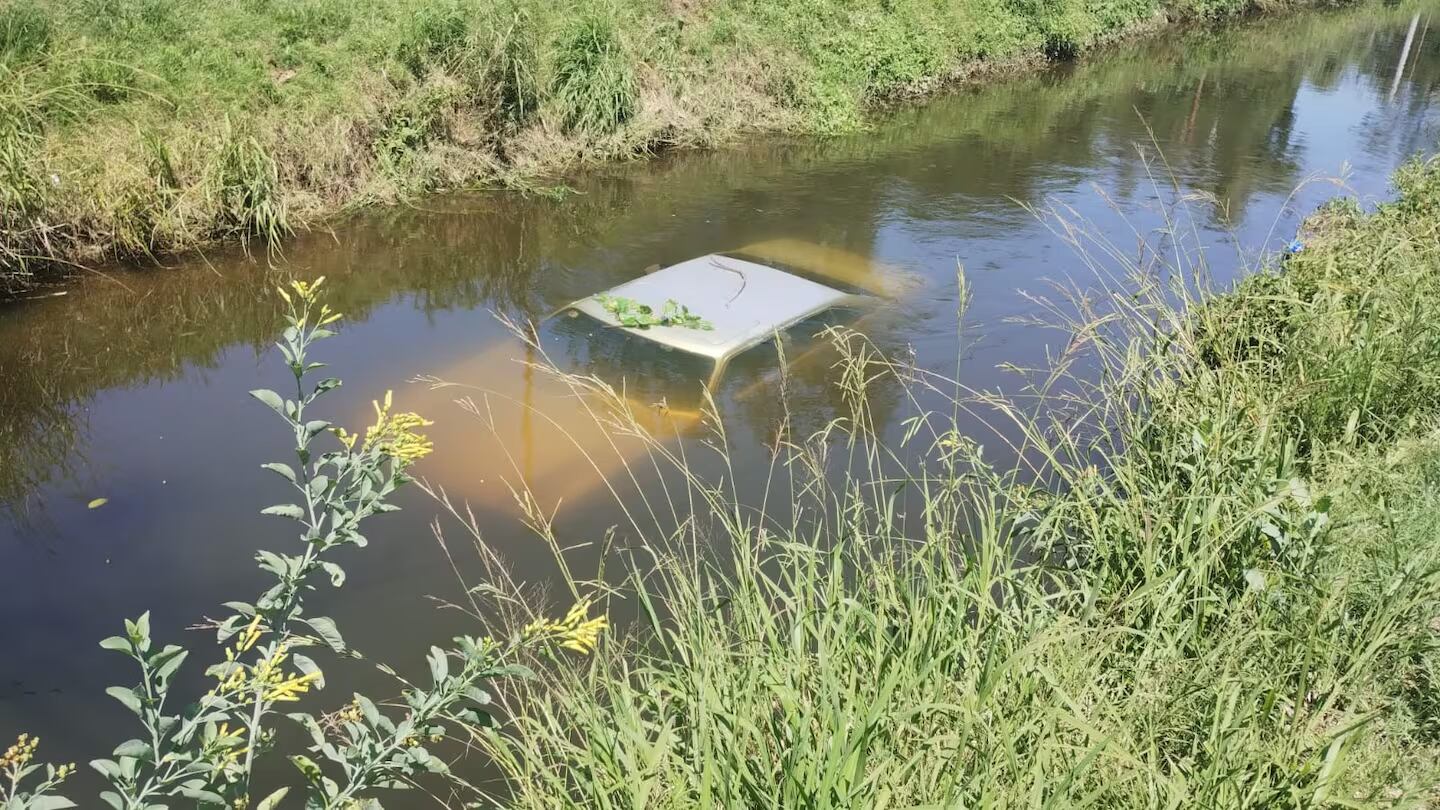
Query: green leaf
[288, 510]
[271, 399]
[222, 670]
[125, 696]
[635, 315]
[421, 757]
[49, 803]
[476, 717]
[273, 800]
[439, 664]
[327, 384]
[368, 710]
[272, 562]
[337, 574]
[514, 671]
[108, 768]
[200, 794]
[168, 661]
[311, 725]
[283, 470]
[307, 666]
[307, 768]
[135, 749]
[325, 628]
[117, 644]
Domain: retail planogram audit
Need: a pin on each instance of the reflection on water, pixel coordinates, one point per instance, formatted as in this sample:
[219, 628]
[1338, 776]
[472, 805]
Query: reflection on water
[131, 387]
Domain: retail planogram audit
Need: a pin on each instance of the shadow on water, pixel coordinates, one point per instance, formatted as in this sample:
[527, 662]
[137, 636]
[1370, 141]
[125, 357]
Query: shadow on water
[131, 388]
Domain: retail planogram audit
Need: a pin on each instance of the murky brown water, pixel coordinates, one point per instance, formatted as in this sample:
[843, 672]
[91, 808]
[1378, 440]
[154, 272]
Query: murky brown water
[132, 387]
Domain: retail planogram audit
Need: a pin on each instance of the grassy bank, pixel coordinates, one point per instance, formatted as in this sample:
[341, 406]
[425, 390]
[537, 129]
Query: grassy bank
[1213, 582]
[128, 128]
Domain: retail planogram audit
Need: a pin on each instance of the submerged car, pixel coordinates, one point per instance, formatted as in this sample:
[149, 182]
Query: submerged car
[650, 349]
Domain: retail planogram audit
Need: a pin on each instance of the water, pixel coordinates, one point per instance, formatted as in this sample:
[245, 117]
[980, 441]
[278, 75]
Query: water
[131, 386]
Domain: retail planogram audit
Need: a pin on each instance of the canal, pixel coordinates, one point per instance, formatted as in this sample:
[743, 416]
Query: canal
[130, 385]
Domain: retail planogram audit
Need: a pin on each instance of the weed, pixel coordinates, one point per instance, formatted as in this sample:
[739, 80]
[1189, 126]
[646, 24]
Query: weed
[631, 313]
[435, 36]
[594, 87]
[246, 183]
[26, 32]
[513, 68]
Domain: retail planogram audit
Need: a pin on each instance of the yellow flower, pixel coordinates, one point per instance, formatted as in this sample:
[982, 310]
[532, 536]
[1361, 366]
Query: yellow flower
[306, 290]
[292, 688]
[250, 636]
[19, 754]
[351, 713]
[574, 632]
[235, 680]
[393, 434]
[346, 437]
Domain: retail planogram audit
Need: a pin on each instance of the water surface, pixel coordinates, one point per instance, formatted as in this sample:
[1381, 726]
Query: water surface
[131, 387]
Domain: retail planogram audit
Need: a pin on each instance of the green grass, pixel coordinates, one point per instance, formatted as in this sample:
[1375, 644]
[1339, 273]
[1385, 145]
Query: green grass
[1213, 582]
[134, 127]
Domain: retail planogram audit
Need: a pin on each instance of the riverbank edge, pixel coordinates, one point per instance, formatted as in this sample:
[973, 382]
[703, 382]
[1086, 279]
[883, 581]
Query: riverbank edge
[259, 190]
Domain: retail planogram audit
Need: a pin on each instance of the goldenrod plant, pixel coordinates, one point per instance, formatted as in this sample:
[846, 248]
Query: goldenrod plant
[16, 764]
[207, 752]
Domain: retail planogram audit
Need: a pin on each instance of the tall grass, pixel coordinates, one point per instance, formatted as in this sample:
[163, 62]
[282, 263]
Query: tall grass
[246, 181]
[26, 32]
[594, 86]
[1205, 577]
[346, 104]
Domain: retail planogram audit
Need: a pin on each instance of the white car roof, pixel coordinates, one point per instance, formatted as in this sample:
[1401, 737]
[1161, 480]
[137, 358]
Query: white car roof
[746, 303]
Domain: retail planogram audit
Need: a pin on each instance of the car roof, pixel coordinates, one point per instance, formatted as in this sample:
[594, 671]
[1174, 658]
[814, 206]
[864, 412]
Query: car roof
[746, 303]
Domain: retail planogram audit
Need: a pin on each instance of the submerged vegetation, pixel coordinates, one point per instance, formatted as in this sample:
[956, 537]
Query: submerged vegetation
[1212, 581]
[130, 128]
